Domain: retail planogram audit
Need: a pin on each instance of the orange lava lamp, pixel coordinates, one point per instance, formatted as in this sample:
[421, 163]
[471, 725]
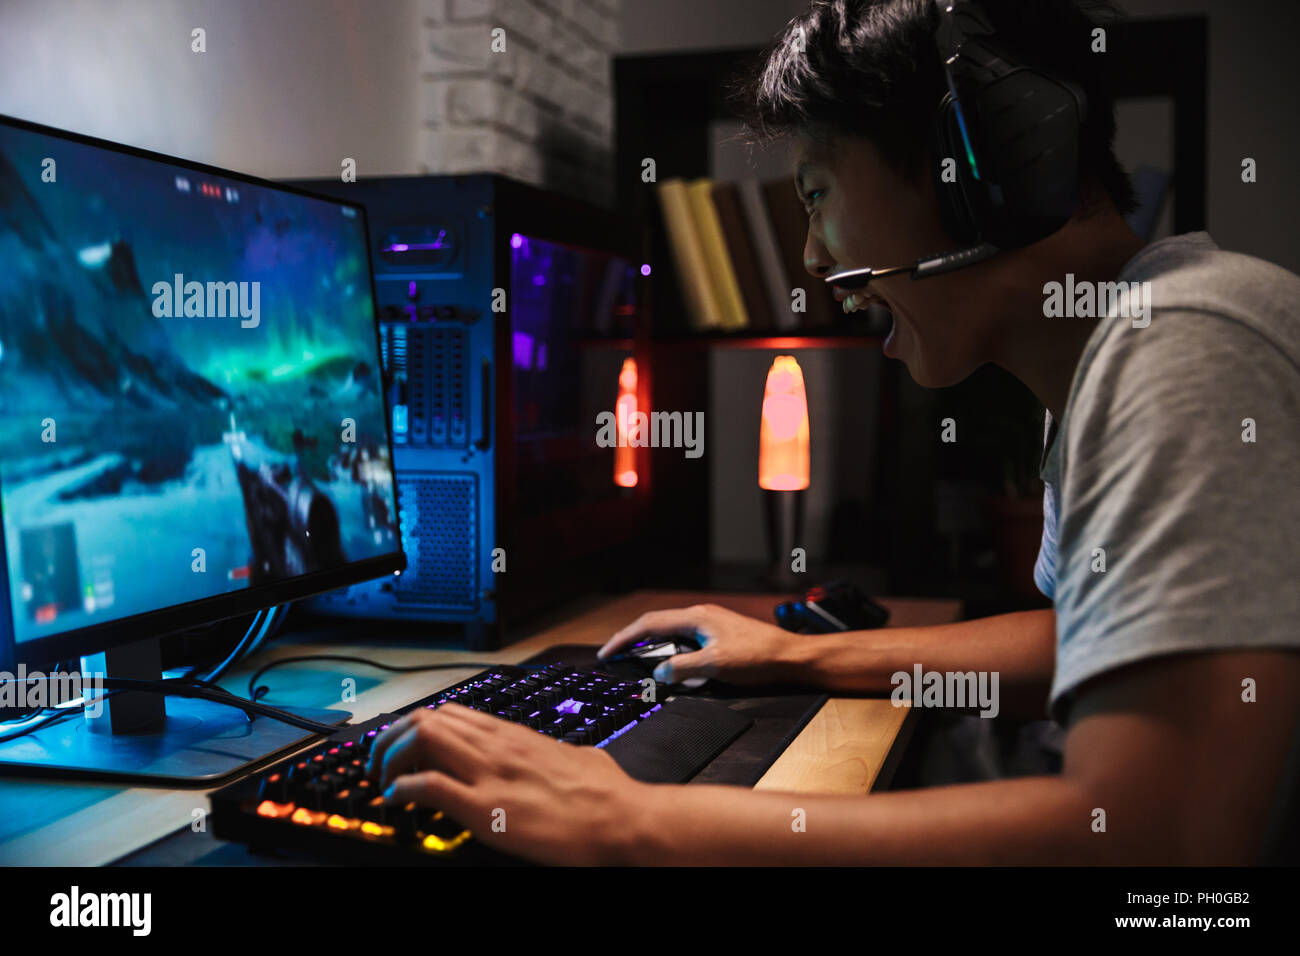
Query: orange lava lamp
[624, 454]
[784, 465]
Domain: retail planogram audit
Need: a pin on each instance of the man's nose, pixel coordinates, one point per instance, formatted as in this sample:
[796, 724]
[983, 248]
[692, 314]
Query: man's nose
[815, 260]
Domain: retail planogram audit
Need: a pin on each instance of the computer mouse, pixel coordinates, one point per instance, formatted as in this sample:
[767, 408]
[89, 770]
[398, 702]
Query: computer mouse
[641, 659]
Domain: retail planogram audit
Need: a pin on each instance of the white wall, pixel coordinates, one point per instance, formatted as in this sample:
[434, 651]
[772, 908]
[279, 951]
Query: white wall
[1253, 91]
[291, 87]
[286, 88]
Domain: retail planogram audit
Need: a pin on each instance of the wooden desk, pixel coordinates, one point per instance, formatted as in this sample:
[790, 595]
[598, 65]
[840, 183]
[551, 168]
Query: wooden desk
[843, 749]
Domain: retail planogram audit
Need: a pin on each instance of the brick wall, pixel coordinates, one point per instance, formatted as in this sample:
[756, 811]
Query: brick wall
[541, 111]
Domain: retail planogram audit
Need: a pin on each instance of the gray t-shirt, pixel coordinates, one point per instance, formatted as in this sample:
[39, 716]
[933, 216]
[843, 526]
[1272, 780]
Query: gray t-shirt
[1176, 468]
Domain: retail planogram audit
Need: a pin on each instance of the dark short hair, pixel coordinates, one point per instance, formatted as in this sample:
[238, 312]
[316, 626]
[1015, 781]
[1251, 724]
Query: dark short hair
[870, 69]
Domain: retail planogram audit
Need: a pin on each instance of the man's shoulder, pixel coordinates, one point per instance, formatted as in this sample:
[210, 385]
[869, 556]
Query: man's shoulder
[1191, 274]
[1178, 466]
[1199, 306]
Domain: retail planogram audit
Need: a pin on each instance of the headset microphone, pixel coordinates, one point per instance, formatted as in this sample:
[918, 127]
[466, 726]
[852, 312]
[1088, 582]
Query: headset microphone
[924, 268]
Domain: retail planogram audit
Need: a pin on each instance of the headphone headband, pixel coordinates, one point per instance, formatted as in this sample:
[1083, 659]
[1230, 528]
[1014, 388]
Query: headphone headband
[1012, 130]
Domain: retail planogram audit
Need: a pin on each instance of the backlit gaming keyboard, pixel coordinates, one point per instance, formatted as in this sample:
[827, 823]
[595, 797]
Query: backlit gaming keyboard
[320, 803]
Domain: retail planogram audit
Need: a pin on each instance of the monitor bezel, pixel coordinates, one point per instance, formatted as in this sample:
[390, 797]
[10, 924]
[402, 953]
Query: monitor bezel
[161, 622]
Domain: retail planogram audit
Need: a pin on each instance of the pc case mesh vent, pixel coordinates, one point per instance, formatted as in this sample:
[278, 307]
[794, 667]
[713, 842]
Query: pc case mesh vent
[418, 394]
[432, 360]
[439, 515]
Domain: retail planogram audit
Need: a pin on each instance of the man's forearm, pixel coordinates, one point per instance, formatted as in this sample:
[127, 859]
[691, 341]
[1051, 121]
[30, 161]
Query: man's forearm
[1030, 821]
[1021, 647]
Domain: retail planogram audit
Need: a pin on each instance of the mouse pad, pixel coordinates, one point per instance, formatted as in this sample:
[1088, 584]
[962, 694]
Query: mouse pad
[778, 713]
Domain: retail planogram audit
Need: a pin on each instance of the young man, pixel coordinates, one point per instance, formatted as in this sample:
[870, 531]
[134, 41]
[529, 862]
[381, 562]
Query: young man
[1172, 464]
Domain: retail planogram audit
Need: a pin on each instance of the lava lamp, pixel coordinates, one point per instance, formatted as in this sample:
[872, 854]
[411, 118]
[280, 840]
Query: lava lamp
[624, 454]
[784, 464]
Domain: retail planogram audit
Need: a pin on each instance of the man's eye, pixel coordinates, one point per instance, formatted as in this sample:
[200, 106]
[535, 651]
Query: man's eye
[811, 197]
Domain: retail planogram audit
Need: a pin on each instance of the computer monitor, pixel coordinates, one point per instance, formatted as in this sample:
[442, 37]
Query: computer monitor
[194, 426]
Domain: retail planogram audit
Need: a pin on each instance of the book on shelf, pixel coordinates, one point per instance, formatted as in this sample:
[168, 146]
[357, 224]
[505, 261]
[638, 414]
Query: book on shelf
[703, 308]
[767, 251]
[738, 250]
[722, 273]
[744, 256]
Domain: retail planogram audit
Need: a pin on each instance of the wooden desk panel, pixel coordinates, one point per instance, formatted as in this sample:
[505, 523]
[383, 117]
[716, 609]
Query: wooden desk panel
[843, 749]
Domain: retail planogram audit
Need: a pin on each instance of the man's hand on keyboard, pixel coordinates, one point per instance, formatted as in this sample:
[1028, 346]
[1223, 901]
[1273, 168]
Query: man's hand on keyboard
[735, 648]
[514, 788]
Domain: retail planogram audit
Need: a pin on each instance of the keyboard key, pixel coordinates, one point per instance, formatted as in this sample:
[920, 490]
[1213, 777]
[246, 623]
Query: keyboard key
[313, 794]
[274, 787]
[404, 820]
[375, 810]
[344, 802]
[443, 826]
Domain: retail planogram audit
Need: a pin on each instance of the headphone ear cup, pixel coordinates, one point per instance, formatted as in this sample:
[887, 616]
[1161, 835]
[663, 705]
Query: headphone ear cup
[1029, 124]
[956, 210]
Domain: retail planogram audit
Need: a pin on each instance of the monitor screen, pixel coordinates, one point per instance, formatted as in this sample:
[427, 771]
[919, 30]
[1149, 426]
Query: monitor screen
[190, 384]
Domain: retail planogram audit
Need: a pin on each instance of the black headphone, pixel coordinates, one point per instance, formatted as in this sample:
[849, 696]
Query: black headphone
[1013, 132]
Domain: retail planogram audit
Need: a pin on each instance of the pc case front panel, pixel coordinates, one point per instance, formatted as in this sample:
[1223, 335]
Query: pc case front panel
[432, 249]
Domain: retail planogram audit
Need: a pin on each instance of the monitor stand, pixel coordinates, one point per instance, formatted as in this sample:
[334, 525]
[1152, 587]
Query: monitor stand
[148, 739]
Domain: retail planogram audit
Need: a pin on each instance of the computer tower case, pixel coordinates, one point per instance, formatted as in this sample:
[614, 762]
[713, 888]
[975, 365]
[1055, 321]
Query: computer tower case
[506, 313]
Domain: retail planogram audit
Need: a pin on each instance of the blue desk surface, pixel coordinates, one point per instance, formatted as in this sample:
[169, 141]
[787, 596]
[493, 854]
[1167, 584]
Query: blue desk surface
[28, 804]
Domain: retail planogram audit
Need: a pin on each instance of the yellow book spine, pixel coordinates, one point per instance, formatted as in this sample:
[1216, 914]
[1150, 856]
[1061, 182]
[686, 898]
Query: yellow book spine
[688, 255]
[722, 273]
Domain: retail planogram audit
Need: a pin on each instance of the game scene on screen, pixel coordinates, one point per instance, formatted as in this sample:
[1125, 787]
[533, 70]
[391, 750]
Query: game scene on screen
[190, 384]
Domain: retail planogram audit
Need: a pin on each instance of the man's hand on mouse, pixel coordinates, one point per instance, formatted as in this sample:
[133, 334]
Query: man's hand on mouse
[734, 648]
[514, 788]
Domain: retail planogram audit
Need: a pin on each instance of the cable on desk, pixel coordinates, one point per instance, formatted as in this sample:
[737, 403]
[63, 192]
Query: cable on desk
[192, 687]
[35, 723]
[31, 712]
[254, 692]
[202, 688]
[264, 626]
[185, 687]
